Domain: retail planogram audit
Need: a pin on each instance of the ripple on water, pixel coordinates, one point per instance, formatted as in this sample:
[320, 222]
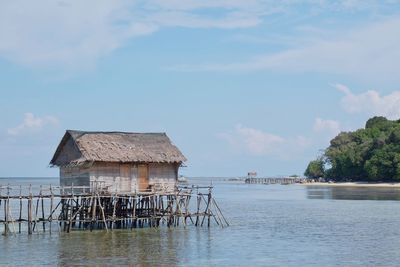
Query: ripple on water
[270, 226]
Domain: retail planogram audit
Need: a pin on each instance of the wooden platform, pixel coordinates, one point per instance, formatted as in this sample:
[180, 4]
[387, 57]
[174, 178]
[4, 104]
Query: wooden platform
[62, 209]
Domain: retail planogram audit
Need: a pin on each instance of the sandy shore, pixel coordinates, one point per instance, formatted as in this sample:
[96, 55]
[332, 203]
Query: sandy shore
[355, 184]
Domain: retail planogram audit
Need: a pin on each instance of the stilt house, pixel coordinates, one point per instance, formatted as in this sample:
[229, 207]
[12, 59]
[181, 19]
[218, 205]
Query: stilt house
[118, 161]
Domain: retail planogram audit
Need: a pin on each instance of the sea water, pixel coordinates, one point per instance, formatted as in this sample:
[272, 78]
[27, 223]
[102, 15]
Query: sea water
[270, 225]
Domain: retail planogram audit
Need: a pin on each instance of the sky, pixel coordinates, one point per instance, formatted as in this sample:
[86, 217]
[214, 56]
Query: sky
[238, 85]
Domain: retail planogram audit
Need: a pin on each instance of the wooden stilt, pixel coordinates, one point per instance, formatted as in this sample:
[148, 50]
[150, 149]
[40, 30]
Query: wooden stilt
[5, 217]
[94, 203]
[30, 215]
[43, 219]
[198, 210]
[20, 209]
[102, 213]
[50, 219]
[101, 210]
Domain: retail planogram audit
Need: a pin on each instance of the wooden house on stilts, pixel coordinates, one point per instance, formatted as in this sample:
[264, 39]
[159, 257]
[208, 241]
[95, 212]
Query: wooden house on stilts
[110, 180]
[118, 161]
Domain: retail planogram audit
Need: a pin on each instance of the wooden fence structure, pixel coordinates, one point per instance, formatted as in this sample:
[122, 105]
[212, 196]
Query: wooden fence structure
[73, 208]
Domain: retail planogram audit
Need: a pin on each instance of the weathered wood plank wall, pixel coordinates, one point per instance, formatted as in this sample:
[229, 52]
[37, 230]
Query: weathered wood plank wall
[119, 177]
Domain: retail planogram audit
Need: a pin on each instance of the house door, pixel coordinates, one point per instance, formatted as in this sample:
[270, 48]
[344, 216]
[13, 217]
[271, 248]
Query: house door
[125, 177]
[143, 177]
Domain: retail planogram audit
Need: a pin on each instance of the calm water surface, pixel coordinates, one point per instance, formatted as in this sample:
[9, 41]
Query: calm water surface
[271, 225]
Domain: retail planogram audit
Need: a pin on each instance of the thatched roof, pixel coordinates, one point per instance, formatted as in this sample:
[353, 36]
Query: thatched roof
[78, 147]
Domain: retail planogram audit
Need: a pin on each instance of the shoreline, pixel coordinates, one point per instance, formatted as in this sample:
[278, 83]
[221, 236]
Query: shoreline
[354, 184]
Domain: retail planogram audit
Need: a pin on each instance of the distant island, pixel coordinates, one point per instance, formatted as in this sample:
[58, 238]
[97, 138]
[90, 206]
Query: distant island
[371, 154]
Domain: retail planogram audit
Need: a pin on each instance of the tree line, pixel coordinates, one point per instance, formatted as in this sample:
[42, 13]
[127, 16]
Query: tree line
[370, 154]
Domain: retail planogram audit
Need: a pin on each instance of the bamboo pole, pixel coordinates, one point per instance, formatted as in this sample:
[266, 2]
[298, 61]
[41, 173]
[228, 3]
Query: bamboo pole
[73, 216]
[65, 215]
[50, 219]
[43, 220]
[94, 202]
[134, 212]
[114, 210]
[36, 210]
[220, 212]
[5, 217]
[30, 211]
[10, 215]
[20, 209]
[208, 205]
[198, 209]
[102, 212]
[205, 211]
[30, 215]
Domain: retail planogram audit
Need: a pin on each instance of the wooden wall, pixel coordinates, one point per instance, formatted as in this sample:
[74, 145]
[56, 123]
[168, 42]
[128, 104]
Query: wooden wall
[115, 176]
[163, 175]
[74, 176]
[120, 177]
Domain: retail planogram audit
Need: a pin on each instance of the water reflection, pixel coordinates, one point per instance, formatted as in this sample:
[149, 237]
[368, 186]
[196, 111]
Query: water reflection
[353, 193]
[141, 247]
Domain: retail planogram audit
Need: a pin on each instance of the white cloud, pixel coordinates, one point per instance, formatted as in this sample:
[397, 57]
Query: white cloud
[47, 32]
[371, 52]
[253, 141]
[256, 141]
[76, 33]
[371, 102]
[32, 123]
[259, 143]
[330, 126]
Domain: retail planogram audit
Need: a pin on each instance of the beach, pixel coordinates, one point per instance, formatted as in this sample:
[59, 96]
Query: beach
[354, 184]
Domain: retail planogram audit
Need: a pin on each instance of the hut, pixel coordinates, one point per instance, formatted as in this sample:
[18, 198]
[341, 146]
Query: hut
[118, 161]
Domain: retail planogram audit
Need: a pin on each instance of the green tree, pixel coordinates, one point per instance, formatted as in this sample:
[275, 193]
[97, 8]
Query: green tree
[369, 154]
[377, 122]
[315, 169]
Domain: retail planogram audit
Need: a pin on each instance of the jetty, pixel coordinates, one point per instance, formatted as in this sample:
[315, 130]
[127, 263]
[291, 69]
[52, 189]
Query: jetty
[274, 180]
[66, 208]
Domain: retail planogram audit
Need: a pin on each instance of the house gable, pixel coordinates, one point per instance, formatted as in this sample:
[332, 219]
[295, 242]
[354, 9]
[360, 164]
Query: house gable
[66, 152]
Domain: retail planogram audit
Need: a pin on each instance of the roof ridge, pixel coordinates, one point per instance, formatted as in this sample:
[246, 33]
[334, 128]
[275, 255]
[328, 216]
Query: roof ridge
[112, 132]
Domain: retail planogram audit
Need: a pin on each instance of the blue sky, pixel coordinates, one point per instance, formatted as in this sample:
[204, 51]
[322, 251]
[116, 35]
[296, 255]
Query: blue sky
[237, 85]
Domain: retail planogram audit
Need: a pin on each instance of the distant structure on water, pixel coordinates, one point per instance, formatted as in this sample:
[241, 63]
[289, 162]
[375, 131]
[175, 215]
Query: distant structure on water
[252, 174]
[118, 161]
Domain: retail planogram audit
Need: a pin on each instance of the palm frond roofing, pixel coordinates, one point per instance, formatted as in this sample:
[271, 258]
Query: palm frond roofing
[121, 147]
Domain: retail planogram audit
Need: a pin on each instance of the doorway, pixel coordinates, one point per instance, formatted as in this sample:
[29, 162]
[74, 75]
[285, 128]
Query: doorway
[143, 177]
[125, 177]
